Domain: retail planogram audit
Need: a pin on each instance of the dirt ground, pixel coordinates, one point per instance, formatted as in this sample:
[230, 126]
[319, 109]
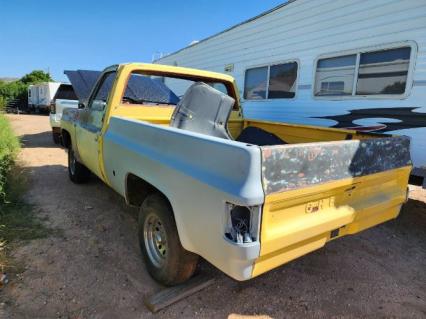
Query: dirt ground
[94, 268]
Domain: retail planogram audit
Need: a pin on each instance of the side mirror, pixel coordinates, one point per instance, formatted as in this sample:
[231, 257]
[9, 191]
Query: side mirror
[81, 105]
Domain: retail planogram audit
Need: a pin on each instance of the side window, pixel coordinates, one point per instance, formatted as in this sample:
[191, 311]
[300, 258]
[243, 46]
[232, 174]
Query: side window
[99, 101]
[383, 72]
[276, 81]
[332, 70]
[255, 83]
[282, 81]
[380, 72]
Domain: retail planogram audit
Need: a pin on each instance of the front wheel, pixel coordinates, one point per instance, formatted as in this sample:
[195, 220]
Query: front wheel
[77, 172]
[167, 261]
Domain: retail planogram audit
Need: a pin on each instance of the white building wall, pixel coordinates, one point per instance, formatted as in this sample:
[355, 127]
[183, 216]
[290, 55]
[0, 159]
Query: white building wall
[303, 30]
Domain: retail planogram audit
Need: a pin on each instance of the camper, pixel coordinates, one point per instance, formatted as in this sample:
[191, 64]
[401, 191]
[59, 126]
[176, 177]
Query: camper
[40, 96]
[342, 64]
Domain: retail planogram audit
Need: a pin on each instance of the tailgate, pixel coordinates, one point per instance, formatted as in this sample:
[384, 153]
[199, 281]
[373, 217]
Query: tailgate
[63, 104]
[319, 191]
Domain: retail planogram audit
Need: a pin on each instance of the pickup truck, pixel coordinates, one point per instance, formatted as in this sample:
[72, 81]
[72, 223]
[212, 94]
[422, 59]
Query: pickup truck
[246, 195]
[64, 97]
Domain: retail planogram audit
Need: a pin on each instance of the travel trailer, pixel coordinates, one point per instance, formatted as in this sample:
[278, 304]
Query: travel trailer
[344, 64]
[41, 95]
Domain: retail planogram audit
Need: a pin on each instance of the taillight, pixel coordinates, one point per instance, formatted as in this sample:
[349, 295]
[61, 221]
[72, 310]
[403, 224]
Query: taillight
[53, 107]
[242, 223]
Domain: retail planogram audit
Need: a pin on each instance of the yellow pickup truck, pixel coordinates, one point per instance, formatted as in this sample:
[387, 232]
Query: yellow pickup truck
[246, 195]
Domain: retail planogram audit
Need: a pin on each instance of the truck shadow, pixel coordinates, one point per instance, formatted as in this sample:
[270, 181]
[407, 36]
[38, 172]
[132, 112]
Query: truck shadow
[43, 139]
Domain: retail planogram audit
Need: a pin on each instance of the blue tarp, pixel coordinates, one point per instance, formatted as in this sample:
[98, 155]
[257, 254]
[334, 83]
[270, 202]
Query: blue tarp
[143, 88]
[82, 82]
[140, 88]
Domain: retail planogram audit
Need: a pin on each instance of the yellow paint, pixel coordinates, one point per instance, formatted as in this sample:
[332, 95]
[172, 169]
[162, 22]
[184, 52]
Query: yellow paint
[296, 133]
[297, 222]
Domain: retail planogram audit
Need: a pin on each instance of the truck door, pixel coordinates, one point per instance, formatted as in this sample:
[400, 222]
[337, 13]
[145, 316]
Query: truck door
[91, 121]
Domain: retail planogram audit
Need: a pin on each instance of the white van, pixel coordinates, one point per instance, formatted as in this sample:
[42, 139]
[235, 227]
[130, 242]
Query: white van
[40, 96]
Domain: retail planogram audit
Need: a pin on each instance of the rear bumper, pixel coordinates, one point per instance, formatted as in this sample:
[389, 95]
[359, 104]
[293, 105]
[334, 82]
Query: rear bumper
[297, 222]
[240, 259]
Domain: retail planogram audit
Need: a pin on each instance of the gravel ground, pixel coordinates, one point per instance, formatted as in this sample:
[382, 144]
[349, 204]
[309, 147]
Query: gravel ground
[94, 269]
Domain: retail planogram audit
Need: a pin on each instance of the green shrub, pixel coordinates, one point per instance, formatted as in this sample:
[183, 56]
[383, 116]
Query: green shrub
[18, 219]
[9, 147]
[18, 89]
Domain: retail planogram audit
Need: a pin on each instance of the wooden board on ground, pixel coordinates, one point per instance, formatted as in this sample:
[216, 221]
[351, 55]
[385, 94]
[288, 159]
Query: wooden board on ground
[171, 295]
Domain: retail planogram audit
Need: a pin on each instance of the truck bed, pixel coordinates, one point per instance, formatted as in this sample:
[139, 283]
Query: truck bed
[311, 192]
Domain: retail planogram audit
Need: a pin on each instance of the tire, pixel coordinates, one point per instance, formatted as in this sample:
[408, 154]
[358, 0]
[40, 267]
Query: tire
[77, 172]
[56, 138]
[167, 261]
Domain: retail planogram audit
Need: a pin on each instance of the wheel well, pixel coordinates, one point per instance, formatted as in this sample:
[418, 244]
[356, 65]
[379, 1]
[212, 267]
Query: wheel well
[137, 189]
[66, 138]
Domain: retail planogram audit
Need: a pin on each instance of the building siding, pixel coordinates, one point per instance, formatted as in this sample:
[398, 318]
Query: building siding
[303, 30]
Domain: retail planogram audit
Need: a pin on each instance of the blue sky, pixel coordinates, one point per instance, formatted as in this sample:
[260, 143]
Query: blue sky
[89, 34]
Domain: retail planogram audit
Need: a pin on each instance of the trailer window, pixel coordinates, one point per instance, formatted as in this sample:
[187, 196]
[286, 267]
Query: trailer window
[379, 72]
[277, 81]
[383, 72]
[282, 81]
[255, 83]
[332, 70]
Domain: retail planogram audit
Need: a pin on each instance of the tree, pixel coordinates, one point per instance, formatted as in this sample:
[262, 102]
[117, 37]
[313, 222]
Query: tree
[18, 89]
[36, 76]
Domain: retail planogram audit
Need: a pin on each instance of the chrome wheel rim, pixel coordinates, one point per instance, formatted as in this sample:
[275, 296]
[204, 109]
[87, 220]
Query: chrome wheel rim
[72, 162]
[155, 240]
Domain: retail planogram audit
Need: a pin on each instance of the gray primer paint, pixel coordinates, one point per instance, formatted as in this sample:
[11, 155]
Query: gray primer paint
[287, 167]
[199, 174]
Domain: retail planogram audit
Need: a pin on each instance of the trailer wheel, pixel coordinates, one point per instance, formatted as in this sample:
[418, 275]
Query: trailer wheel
[167, 261]
[78, 173]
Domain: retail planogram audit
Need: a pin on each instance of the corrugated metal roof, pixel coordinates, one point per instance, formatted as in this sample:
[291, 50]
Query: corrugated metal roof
[231, 28]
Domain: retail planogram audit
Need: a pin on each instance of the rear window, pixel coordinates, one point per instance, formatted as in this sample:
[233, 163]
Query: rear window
[155, 90]
[65, 92]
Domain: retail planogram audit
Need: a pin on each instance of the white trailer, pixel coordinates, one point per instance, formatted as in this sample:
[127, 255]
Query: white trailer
[348, 63]
[41, 95]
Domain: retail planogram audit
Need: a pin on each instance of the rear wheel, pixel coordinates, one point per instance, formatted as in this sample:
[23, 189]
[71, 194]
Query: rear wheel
[77, 172]
[167, 261]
